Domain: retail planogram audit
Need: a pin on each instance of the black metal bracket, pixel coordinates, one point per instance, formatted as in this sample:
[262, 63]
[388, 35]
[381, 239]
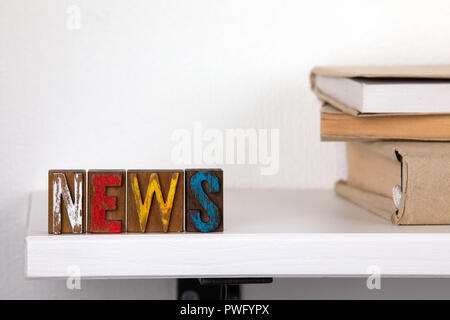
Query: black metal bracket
[215, 288]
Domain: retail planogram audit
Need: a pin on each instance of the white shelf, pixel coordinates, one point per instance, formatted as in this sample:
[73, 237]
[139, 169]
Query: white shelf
[282, 233]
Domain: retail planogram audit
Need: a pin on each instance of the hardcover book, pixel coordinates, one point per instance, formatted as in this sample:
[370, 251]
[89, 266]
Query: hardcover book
[405, 182]
[336, 125]
[384, 89]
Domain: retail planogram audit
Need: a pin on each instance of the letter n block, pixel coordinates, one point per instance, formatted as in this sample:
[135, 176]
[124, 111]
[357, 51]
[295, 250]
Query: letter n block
[66, 201]
[204, 200]
[155, 200]
[106, 201]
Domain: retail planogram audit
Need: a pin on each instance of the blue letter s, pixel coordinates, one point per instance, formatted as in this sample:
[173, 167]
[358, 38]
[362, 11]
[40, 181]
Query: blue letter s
[211, 209]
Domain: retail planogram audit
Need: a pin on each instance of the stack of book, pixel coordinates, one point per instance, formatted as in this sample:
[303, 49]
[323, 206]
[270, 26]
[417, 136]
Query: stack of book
[396, 124]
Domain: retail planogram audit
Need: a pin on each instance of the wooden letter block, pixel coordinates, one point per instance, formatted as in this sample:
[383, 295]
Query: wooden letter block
[106, 202]
[66, 201]
[162, 212]
[204, 200]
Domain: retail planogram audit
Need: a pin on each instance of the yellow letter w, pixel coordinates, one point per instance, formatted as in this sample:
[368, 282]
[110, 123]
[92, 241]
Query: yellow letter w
[143, 208]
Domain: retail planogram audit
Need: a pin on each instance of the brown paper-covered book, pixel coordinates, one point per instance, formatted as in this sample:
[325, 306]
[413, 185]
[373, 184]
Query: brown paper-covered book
[336, 125]
[405, 182]
[365, 90]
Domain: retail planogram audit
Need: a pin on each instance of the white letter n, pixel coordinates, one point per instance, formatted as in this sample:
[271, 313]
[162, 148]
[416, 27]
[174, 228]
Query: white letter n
[73, 208]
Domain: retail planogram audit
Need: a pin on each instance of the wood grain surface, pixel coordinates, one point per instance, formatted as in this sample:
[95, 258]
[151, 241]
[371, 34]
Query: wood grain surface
[155, 200]
[204, 200]
[66, 201]
[106, 201]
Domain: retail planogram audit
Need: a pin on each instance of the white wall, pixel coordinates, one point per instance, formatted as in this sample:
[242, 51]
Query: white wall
[110, 94]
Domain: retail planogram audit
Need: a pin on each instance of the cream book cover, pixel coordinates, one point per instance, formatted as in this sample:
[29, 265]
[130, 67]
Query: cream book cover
[406, 182]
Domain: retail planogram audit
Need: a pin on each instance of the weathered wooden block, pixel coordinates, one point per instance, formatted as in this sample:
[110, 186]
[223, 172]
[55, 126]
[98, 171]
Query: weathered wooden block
[66, 201]
[106, 201]
[204, 200]
[155, 200]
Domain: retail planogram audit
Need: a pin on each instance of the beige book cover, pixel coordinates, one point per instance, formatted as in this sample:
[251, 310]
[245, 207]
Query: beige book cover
[336, 125]
[405, 182]
[373, 72]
